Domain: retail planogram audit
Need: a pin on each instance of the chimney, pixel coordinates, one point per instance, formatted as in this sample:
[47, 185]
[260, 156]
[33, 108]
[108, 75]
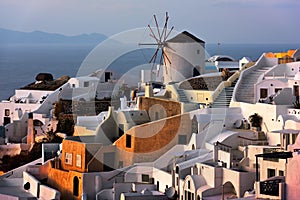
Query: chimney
[30, 129]
[148, 90]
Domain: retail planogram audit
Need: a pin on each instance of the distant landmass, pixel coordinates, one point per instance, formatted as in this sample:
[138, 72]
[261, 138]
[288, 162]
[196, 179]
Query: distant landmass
[39, 37]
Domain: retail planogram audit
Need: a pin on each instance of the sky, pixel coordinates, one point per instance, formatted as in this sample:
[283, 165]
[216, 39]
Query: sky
[225, 21]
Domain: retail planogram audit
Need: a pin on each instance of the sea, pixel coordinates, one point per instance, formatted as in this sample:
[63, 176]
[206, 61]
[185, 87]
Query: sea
[20, 63]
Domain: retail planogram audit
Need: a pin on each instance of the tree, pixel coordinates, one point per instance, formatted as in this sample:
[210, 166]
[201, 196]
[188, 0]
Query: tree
[255, 120]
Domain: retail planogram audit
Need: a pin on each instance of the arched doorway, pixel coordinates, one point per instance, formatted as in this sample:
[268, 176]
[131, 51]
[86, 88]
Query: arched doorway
[228, 190]
[76, 186]
[37, 122]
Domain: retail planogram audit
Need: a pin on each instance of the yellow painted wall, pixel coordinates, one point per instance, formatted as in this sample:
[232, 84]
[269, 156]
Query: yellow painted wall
[73, 147]
[63, 182]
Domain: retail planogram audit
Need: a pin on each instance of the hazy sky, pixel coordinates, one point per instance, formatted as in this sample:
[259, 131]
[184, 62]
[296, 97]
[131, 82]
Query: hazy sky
[227, 21]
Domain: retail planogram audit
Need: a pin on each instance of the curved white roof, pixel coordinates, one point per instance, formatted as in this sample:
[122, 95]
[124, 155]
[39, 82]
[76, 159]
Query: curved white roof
[222, 136]
[218, 57]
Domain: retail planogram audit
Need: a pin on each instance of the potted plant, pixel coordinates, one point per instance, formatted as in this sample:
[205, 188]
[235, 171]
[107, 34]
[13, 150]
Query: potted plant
[256, 121]
[296, 104]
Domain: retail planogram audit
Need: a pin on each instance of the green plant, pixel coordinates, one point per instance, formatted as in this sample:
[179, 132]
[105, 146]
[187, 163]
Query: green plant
[255, 120]
[296, 104]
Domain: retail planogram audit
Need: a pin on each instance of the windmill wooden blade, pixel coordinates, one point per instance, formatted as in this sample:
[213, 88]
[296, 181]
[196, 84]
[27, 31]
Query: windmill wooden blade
[157, 27]
[160, 36]
[169, 33]
[165, 28]
[165, 56]
[154, 56]
[152, 34]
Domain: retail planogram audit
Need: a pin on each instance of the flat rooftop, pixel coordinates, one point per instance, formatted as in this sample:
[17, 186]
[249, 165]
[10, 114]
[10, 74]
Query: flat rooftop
[13, 187]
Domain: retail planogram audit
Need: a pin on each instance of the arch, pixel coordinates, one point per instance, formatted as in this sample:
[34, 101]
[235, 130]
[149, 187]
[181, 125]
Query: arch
[37, 122]
[228, 188]
[75, 186]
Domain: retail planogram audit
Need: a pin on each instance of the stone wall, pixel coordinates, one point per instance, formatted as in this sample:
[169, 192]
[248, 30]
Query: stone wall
[163, 108]
[89, 108]
[201, 83]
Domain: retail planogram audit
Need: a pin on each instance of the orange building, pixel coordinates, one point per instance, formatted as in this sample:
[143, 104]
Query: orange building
[82, 158]
[283, 57]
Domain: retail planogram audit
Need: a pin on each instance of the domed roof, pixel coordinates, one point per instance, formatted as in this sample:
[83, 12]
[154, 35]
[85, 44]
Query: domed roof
[220, 58]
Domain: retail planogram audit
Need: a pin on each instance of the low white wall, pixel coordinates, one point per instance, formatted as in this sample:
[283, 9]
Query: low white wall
[48, 193]
[34, 184]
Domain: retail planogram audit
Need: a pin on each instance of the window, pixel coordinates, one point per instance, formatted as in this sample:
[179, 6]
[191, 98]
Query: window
[294, 137]
[128, 141]
[6, 111]
[263, 93]
[120, 164]
[189, 185]
[156, 116]
[68, 157]
[296, 90]
[86, 84]
[73, 85]
[78, 160]
[198, 51]
[76, 186]
[271, 173]
[281, 173]
[145, 178]
[182, 139]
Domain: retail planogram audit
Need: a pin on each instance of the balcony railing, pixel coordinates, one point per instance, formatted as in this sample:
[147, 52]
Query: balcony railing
[270, 187]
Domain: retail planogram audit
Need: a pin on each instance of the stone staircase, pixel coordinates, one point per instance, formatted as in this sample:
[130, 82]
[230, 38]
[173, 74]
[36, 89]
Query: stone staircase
[224, 98]
[182, 96]
[245, 91]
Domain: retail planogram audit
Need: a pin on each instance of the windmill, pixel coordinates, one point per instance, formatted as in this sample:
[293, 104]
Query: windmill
[160, 35]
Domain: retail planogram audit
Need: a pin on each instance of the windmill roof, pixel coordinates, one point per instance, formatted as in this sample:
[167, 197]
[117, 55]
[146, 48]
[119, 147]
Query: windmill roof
[185, 37]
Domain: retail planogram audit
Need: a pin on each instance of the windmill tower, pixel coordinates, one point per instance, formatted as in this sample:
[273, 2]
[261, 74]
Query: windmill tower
[178, 58]
[187, 55]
